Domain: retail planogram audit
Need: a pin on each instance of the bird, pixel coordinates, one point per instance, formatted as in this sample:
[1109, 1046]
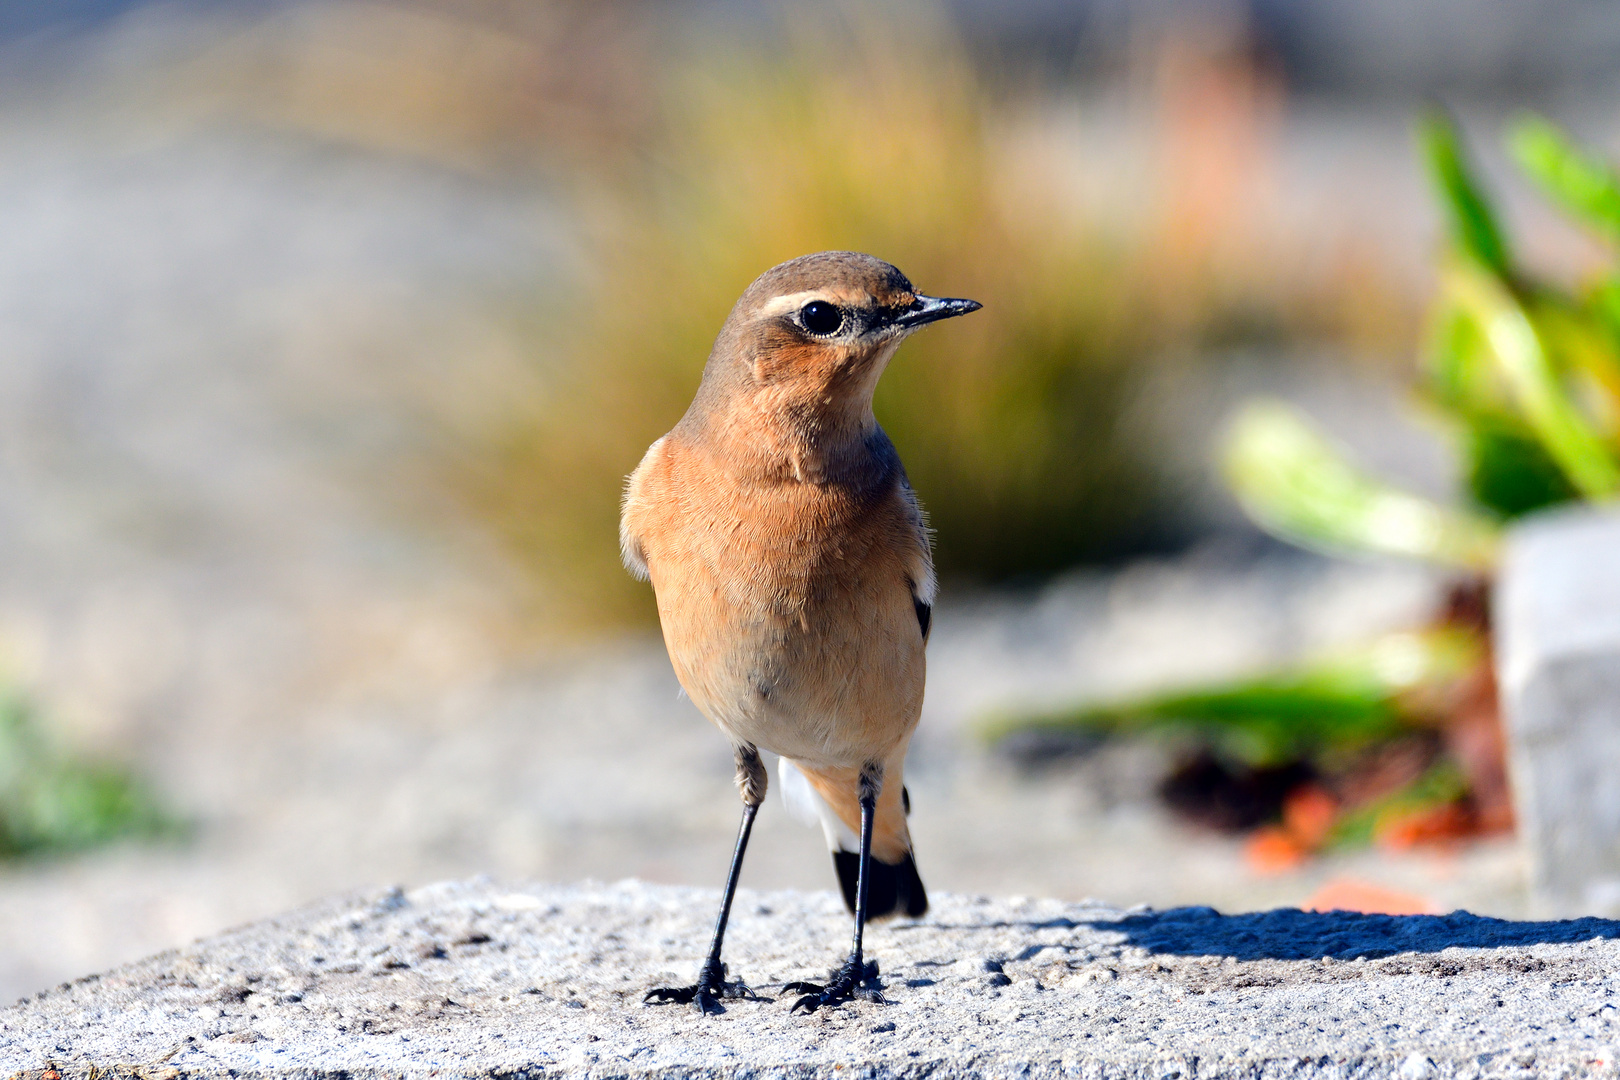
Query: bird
[793, 570]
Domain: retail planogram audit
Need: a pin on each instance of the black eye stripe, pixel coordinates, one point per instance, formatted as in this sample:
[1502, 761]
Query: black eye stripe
[821, 318]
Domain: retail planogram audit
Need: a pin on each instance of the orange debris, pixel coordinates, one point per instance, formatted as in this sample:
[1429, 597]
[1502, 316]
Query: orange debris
[1348, 894]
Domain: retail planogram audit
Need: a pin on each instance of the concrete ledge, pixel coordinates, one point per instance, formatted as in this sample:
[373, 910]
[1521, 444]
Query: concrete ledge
[480, 980]
[1558, 641]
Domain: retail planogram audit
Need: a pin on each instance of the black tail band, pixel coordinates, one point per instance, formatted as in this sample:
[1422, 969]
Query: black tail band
[894, 888]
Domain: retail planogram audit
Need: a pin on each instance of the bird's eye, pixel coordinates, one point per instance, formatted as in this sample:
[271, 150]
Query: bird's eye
[821, 318]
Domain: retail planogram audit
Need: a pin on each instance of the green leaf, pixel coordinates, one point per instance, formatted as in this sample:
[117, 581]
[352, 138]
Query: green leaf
[1459, 370]
[1585, 186]
[1582, 335]
[1510, 472]
[1473, 223]
[1297, 485]
[1604, 306]
[1331, 707]
[1547, 409]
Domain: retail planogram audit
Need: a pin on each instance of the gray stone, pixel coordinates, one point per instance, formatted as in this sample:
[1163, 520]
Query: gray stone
[483, 980]
[1558, 639]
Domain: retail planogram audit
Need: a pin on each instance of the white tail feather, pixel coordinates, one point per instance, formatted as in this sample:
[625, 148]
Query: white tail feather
[807, 805]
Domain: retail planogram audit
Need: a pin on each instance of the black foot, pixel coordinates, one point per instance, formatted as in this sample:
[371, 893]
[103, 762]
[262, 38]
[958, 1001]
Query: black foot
[706, 994]
[853, 980]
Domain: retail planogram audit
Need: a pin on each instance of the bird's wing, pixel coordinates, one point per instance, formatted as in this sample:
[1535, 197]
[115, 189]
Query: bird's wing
[631, 508]
[920, 566]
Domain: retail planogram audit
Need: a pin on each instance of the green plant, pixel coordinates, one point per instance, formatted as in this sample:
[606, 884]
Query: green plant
[1526, 374]
[52, 803]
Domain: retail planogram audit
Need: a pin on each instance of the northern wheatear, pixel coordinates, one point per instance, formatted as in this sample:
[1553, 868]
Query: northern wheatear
[795, 577]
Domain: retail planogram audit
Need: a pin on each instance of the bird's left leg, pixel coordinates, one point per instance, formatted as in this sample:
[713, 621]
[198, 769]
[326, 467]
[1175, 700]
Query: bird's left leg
[711, 984]
[858, 978]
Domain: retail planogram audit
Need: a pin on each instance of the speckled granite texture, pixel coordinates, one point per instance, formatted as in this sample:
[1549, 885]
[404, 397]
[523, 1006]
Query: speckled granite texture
[485, 980]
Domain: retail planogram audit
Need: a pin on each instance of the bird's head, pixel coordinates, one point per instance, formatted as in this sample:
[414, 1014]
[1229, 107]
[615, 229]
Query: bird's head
[807, 341]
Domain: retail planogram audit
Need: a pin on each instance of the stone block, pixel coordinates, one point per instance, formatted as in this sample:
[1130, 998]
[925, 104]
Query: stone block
[479, 980]
[1558, 664]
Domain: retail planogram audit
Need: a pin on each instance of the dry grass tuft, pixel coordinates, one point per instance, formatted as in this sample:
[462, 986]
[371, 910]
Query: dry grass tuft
[863, 134]
[1102, 250]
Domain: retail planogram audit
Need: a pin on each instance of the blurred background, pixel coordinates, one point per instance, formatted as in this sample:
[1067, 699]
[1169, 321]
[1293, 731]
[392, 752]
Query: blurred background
[328, 331]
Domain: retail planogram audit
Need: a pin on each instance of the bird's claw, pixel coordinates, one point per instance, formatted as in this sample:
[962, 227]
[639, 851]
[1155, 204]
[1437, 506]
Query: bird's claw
[854, 981]
[705, 995]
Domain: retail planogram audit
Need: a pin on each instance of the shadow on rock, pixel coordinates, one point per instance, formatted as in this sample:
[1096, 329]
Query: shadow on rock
[1291, 934]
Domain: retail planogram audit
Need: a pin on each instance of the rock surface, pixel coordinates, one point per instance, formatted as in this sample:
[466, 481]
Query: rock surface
[483, 980]
[1559, 664]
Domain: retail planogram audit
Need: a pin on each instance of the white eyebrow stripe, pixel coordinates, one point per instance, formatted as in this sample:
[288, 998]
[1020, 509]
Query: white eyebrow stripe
[793, 301]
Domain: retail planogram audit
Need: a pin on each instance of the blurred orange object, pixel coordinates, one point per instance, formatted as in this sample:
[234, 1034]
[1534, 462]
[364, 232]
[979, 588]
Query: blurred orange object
[1308, 815]
[1347, 894]
[1435, 825]
[1273, 850]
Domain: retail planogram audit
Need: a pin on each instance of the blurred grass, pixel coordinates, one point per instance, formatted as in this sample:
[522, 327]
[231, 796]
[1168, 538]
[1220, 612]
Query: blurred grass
[875, 133]
[691, 156]
[51, 802]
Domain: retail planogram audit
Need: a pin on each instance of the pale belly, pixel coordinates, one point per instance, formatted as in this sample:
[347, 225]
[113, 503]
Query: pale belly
[824, 665]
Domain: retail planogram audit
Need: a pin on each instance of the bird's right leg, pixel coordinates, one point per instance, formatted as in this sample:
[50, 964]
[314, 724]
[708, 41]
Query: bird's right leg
[858, 978]
[711, 984]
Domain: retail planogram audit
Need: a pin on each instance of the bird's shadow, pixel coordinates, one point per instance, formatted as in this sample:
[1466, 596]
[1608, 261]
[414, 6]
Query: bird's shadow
[1292, 934]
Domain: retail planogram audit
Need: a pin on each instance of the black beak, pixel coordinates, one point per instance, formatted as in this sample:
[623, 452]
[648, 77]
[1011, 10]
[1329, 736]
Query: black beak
[927, 309]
